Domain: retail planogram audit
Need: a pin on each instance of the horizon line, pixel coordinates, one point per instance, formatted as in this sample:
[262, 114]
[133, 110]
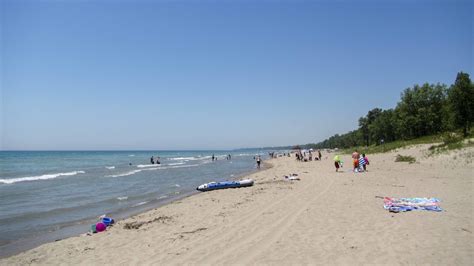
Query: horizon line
[139, 150]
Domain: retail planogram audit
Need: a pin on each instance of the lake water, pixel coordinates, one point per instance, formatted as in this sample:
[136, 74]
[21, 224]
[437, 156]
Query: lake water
[51, 194]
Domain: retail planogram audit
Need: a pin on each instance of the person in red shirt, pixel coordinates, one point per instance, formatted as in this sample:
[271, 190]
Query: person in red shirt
[355, 158]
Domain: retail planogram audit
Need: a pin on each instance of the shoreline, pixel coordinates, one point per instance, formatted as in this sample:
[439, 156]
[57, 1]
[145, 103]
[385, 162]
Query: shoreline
[326, 217]
[83, 227]
[80, 228]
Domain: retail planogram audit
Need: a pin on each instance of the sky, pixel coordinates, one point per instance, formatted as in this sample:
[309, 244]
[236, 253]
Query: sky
[120, 75]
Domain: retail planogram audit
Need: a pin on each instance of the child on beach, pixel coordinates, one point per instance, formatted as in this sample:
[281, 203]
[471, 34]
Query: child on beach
[361, 163]
[366, 160]
[355, 160]
[337, 162]
[356, 165]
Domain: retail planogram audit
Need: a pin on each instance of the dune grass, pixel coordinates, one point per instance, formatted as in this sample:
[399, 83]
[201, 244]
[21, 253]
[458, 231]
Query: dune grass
[448, 146]
[441, 143]
[396, 145]
[408, 159]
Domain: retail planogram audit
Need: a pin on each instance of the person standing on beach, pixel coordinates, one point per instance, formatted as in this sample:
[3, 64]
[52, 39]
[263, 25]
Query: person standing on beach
[152, 161]
[258, 162]
[319, 154]
[366, 160]
[337, 162]
[355, 158]
[213, 157]
[361, 163]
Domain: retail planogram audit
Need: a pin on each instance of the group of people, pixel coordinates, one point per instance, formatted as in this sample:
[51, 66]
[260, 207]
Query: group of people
[154, 160]
[276, 155]
[227, 157]
[359, 162]
[272, 154]
[308, 156]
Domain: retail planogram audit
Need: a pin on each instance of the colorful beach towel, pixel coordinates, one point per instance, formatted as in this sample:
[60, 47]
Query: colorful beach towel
[409, 204]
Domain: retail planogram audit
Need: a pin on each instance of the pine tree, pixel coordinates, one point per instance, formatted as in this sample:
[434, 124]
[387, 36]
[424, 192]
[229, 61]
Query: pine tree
[461, 98]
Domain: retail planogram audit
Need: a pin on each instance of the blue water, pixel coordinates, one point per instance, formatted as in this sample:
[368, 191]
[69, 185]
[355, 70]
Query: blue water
[47, 191]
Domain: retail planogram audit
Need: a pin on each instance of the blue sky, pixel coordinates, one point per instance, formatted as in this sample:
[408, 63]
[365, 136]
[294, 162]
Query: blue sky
[215, 75]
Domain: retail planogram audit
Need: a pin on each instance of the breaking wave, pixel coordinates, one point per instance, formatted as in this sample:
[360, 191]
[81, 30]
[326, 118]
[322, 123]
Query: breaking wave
[39, 177]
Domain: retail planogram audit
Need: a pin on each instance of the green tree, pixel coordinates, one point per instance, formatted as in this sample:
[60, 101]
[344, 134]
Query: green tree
[384, 127]
[364, 130]
[420, 110]
[461, 98]
[365, 122]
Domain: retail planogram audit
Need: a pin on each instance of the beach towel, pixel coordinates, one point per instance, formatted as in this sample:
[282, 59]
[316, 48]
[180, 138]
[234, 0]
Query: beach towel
[410, 204]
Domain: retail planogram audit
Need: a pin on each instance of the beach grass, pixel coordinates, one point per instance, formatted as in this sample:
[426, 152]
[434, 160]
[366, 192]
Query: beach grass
[452, 141]
[442, 142]
[402, 158]
[449, 146]
[390, 146]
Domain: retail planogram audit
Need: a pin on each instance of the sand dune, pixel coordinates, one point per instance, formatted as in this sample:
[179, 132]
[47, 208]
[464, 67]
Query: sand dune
[326, 218]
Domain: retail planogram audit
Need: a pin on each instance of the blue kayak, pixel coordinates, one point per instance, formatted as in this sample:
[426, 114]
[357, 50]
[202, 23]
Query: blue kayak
[225, 184]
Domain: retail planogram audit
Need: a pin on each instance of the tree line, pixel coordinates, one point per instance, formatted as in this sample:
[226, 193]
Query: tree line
[422, 110]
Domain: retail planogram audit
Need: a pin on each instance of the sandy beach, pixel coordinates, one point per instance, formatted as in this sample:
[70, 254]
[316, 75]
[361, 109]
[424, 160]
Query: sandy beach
[325, 218]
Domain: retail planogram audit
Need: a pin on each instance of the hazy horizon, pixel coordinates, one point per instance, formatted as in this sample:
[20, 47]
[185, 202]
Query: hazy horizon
[157, 75]
[131, 150]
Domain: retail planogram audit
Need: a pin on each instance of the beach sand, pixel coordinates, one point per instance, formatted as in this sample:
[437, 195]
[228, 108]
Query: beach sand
[325, 218]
